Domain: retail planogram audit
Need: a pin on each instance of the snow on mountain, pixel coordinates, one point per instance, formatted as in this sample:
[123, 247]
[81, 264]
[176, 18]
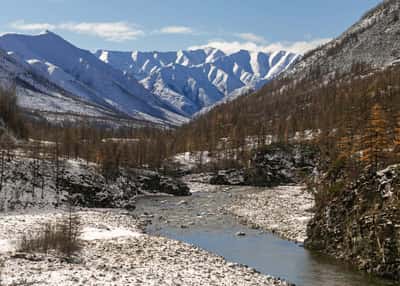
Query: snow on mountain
[194, 80]
[372, 41]
[56, 78]
[36, 93]
[80, 82]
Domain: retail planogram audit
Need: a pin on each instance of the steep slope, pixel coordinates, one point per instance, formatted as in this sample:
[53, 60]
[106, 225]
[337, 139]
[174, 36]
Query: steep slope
[37, 94]
[196, 79]
[374, 41]
[86, 78]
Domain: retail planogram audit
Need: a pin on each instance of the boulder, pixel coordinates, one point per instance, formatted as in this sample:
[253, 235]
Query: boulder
[154, 183]
[228, 177]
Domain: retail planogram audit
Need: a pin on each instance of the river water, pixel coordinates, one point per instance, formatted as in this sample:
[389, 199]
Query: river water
[201, 220]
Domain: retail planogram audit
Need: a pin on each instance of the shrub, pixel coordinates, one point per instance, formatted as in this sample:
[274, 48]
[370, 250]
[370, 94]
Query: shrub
[2, 265]
[336, 168]
[61, 236]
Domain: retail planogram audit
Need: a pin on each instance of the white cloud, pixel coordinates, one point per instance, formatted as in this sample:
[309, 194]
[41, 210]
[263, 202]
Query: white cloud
[33, 27]
[176, 30]
[251, 37]
[299, 47]
[110, 31]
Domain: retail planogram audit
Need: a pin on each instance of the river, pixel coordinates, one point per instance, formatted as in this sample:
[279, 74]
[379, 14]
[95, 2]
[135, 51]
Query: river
[201, 220]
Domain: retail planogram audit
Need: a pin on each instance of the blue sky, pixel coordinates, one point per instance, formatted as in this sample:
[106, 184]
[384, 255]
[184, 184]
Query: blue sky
[179, 24]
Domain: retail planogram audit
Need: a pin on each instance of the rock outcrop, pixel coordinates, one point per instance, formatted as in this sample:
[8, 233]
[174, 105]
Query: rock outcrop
[271, 166]
[29, 182]
[361, 224]
[94, 190]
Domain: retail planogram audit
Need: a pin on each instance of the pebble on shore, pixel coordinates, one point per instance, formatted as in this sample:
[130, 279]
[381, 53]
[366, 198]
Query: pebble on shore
[284, 211]
[118, 255]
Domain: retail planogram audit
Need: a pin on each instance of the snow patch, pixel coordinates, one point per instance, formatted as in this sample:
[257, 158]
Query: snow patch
[93, 233]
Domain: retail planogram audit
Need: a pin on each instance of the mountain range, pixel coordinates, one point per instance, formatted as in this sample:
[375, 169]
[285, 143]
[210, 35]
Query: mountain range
[196, 79]
[57, 80]
[83, 83]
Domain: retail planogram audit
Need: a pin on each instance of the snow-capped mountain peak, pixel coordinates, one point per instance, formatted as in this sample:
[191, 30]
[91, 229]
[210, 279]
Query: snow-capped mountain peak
[192, 80]
[160, 87]
[82, 75]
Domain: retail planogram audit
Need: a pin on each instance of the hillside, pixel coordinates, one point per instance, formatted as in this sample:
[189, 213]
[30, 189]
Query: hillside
[372, 41]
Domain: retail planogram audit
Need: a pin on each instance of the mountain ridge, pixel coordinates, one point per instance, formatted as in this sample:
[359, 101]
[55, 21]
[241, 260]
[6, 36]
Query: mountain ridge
[167, 88]
[80, 73]
[371, 41]
[205, 76]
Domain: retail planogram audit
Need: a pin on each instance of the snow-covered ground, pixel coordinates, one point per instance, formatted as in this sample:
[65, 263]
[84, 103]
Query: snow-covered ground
[115, 252]
[284, 210]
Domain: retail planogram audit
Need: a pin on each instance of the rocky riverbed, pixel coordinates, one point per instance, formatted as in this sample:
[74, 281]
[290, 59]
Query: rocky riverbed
[285, 211]
[204, 220]
[116, 252]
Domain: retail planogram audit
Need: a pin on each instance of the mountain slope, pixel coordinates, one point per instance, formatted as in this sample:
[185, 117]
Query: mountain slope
[374, 41]
[82, 75]
[196, 79]
[37, 94]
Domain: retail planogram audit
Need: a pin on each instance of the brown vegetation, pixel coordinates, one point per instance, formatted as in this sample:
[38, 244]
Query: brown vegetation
[347, 113]
[62, 237]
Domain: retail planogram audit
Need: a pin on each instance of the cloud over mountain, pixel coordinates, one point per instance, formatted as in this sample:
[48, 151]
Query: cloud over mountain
[230, 47]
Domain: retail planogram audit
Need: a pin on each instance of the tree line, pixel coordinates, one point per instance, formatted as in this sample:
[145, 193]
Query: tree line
[354, 115]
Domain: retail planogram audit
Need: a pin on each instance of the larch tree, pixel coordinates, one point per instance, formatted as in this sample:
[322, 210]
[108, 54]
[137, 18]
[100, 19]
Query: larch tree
[397, 137]
[346, 142]
[376, 140]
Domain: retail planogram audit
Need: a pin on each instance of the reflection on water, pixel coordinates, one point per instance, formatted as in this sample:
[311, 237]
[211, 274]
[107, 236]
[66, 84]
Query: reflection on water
[263, 251]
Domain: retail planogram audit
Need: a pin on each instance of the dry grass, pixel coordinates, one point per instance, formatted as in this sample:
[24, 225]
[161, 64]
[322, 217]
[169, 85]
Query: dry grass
[61, 237]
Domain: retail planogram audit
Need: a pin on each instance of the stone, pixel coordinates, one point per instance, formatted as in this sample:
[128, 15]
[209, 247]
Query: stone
[240, 233]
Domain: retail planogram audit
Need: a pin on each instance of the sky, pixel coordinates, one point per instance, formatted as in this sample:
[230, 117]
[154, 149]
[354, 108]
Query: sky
[169, 25]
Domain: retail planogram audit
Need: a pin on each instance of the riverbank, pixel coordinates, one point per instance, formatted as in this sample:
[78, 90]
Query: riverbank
[284, 211]
[203, 220]
[116, 252]
[359, 222]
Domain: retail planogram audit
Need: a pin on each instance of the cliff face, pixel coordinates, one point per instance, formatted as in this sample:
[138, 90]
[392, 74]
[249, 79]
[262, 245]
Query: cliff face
[361, 224]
